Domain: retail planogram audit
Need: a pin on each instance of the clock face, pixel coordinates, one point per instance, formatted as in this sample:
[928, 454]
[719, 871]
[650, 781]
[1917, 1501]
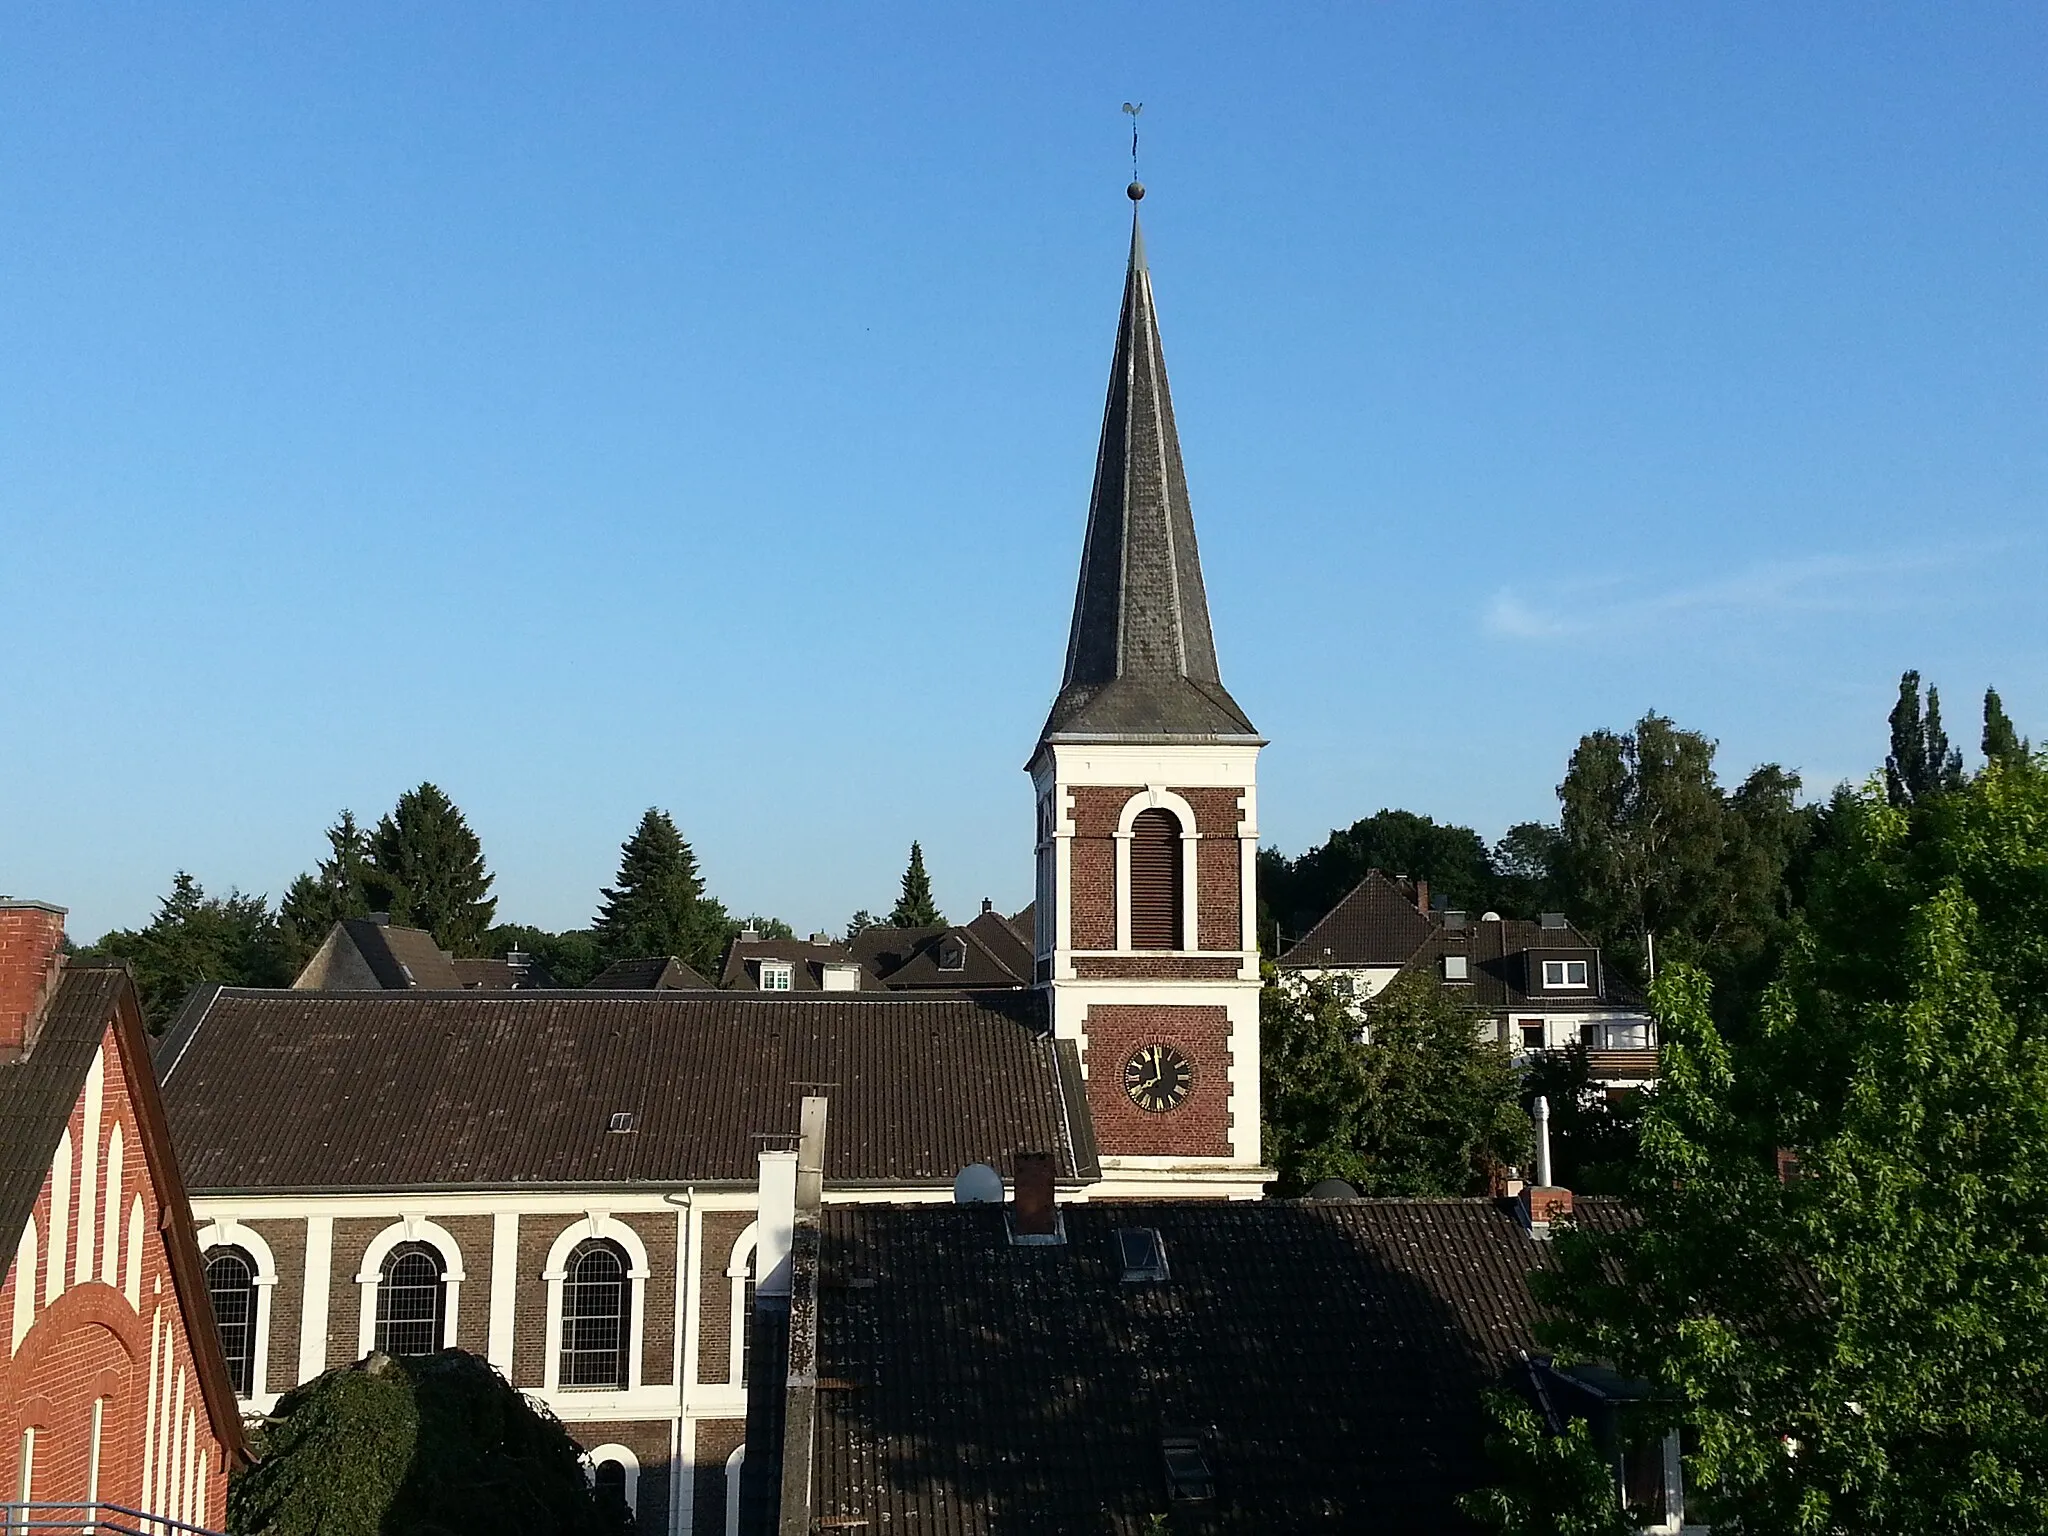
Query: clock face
[1158, 1078]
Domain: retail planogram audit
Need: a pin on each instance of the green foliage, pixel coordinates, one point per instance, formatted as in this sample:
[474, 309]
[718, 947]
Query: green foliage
[767, 927]
[1592, 1137]
[435, 1444]
[194, 938]
[1860, 1347]
[427, 871]
[1297, 892]
[658, 906]
[914, 907]
[860, 923]
[2002, 743]
[1922, 765]
[1525, 865]
[570, 958]
[1651, 845]
[1420, 1106]
[339, 889]
[1546, 1485]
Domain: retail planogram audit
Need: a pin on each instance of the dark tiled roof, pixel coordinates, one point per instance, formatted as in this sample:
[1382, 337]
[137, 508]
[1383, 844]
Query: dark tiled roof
[808, 959]
[401, 957]
[1500, 973]
[1330, 1357]
[503, 975]
[884, 951]
[654, 974]
[380, 1090]
[1025, 925]
[1141, 661]
[1376, 924]
[989, 954]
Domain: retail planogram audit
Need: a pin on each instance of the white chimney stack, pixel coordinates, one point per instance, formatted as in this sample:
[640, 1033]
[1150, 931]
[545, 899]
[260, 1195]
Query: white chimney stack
[774, 1221]
[1542, 1141]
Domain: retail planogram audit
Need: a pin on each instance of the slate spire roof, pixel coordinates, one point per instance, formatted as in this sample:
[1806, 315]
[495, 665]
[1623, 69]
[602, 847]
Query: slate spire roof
[1141, 661]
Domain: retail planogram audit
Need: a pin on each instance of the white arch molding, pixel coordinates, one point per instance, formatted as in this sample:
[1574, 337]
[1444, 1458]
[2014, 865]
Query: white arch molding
[739, 1269]
[226, 1232]
[626, 1459]
[1156, 797]
[595, 1224]
[407, 1229]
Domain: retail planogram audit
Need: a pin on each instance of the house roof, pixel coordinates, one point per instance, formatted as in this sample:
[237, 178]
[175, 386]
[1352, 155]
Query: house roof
[38, 1092]
[1141, 660]
[277, 1090]
[655, 974]
[502, 975]
[988, 950]
[1376, 924]
[398, 957]
[1500, 971]
[809, 960]
[1328, 1357]
[884, 951]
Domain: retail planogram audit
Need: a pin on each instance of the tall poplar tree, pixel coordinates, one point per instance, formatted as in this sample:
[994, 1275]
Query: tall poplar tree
[428, 871]
[2002, 743]
[914, 907]
[1922, 764]
[658, 906]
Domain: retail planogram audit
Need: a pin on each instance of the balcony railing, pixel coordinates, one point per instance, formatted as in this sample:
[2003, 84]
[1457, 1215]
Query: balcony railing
[54, 1519]
[1630, 1064]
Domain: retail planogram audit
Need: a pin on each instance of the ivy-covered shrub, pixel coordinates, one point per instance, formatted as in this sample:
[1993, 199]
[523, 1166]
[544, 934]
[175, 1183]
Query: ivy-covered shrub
[438, 1445]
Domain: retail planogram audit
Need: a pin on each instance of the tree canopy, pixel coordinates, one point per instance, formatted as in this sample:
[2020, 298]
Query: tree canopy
[339, 888]
[427, 870]
[1839, 1277]
[194, 938]
[430, 1443]
[914, 906]
[658, 906]
[1405, 1100]
[1922, 764]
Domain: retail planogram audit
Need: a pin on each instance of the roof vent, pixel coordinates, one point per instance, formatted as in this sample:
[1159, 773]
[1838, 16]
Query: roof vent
[1188, 1478]
[1553, 920]
[622, 1122]
[978, 1184]
[1143, 1253]
[1454, 919]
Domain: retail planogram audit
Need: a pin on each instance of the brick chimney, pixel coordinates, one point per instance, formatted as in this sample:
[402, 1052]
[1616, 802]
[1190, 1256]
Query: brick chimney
[31, 960]
[1542, 1202]
[1422, 896]
[1032, 1215]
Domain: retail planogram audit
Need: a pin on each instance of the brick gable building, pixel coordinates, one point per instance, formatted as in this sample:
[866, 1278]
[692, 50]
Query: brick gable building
[113, 1389]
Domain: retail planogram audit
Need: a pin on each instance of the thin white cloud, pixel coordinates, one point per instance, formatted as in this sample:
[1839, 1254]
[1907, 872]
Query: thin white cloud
[1814, 584]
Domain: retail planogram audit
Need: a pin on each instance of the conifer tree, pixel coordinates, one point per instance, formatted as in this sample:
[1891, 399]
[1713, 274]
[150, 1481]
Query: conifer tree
[2002, 744]
[339, 889]
[914, 907]
[428, 871]
[658, 906]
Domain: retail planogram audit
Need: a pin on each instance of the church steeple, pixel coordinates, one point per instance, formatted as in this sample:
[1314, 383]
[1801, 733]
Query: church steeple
[1141, 661]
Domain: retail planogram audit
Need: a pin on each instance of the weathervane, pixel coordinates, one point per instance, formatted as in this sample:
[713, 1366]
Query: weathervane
[1137, 187]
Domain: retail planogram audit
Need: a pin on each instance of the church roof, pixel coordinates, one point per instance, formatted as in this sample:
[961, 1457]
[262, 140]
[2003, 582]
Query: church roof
[1141, 661]
[335, 1091]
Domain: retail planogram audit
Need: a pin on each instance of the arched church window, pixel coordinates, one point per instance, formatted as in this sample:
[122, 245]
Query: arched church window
[1155, 880]
[412, 1300]
[231, 1286]
[596, 1319]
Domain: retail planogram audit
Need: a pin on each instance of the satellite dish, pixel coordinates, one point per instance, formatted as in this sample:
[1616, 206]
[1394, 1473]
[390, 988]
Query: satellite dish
[1489, 917]
[978, 1184]
[1333, 1189]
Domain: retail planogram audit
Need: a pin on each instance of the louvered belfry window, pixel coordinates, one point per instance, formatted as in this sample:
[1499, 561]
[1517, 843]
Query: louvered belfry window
[1155, 880]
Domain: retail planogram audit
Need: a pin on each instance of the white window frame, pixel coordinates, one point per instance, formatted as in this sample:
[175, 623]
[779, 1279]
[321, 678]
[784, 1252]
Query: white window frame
[777, 976]
[226, 1232]
[1522, 1037]
[612, 1451]
[1564, 983]
[601, 1225]
[739, 1269]
[408, 1229]
[1155, 797]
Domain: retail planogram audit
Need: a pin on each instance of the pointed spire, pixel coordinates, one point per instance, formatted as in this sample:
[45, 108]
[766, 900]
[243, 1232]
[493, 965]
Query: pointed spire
[1141, 661]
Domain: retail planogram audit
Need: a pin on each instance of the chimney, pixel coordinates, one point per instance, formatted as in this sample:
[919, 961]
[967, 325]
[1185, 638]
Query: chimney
[381, 919]
[987, 905]
[821, 938]
[750, 935]
[1422, 897]
[1033, 1218]
[774, 1219]
[1542, 1202]
[31, 961]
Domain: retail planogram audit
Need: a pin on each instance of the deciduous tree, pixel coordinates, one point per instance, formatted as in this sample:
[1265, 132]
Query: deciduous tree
[2002, 743]
[194, 938]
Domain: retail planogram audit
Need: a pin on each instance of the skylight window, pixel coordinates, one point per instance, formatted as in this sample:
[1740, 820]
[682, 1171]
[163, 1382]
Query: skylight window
[622, 1122]
[1457, 968]
[1188, 1477]
[952, 957]
[1143, 1253]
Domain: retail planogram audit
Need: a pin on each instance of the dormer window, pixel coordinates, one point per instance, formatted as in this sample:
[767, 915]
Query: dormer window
[1457, 968]
[1564, 975]
[777, 975]
[952, 956]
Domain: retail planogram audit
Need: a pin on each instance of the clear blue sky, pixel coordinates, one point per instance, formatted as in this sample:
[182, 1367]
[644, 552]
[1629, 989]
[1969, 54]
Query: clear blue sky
[596, 407]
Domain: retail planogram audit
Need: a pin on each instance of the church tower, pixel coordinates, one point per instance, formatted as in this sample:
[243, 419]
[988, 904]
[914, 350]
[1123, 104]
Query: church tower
[1148, 828]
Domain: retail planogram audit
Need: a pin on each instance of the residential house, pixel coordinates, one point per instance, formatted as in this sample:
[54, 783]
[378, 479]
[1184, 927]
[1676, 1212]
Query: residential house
[657, 973]
[372, 954]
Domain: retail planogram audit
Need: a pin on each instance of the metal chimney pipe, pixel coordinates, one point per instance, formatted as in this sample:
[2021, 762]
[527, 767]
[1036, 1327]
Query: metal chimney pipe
[1542, 1142]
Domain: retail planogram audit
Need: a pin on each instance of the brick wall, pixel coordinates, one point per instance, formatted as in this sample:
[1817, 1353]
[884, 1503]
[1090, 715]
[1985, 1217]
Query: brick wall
[717, 1439]
[472, 1235]
[537, 1235]
[657, 1233]
[1200, 1127]
[1145, 967]
[1218, 865]
[649, 1442]
[344, 1297]
[287, 1240]
[714, 1293]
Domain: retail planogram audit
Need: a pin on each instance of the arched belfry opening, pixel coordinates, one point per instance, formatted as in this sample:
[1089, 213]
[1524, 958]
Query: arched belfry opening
[1156, 880]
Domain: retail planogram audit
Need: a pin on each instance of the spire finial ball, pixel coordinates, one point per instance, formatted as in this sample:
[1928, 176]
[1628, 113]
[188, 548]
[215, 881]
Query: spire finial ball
[1135, 191]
